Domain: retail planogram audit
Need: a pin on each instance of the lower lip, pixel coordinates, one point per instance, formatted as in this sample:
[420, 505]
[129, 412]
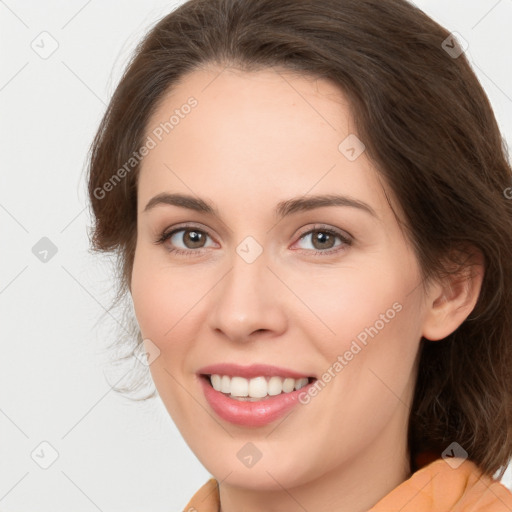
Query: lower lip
[251, 414]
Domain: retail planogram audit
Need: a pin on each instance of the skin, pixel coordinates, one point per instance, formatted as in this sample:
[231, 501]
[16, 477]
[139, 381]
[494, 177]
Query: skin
[253, 140]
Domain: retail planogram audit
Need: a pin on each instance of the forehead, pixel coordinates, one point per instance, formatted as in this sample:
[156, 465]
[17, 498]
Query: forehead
[255, 104]
[265, 86]
[262, 131]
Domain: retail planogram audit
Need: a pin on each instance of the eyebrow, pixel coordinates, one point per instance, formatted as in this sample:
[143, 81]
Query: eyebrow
[283, 209]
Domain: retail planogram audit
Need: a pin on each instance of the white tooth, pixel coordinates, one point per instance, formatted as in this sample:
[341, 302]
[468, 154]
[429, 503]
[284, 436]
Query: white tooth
[239, 386]
[216, 381]
[300, 383]
[275, 386]
[258, 387]
[288, 385]
[225, 384]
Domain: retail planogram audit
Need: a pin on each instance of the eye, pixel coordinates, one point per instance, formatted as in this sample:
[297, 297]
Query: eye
[184, 240]
[326, 240]
[189, 240]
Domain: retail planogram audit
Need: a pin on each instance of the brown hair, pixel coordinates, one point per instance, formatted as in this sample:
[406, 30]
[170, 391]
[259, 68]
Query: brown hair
[430, 131]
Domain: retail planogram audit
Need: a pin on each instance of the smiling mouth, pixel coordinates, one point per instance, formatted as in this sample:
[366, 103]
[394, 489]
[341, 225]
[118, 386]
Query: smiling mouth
[257, 388]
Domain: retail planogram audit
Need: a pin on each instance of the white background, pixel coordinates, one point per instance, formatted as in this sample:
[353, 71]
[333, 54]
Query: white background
[114, 455]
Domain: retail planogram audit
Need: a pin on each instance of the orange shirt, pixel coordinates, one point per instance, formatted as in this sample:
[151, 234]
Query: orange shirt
[436, 487]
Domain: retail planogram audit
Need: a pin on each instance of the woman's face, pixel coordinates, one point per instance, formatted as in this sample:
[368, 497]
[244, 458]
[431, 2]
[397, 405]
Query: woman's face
[268, 276]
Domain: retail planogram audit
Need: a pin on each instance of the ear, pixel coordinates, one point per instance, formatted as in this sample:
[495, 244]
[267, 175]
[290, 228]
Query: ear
[452, 297]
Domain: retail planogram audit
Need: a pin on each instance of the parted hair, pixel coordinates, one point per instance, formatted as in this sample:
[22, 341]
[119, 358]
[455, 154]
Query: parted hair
[428, 128]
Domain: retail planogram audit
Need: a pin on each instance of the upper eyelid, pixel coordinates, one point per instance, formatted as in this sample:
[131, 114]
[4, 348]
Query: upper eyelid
[326, 227]
[175, 229]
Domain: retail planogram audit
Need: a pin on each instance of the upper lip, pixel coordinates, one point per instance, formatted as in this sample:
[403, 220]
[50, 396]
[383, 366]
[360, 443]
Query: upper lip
[249, 372]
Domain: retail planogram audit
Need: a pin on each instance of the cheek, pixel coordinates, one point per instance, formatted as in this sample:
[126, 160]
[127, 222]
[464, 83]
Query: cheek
[169, 308]
[368, 330]
[150, 304]
[344, 303]
[163, 304]
[160, 295]
[378, 349]
[368, 367]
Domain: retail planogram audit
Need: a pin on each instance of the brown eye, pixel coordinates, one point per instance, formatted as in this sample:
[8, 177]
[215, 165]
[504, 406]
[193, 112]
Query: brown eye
[324, 240]
[188, 238]
[186, 241]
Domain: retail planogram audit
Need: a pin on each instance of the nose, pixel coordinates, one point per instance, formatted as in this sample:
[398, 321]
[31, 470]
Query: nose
[248, 302]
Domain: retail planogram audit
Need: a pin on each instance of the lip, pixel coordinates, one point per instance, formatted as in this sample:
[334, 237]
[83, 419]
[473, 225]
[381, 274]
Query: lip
[250, 414]
[249, 372]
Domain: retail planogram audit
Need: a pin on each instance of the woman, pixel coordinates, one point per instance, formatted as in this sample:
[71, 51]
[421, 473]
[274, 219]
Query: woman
[374, 372]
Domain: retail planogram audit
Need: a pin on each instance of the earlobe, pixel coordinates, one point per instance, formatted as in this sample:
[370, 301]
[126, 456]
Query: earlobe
[452, 298]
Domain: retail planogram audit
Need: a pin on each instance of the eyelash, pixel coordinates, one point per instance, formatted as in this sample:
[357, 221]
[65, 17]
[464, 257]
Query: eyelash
[166, 235]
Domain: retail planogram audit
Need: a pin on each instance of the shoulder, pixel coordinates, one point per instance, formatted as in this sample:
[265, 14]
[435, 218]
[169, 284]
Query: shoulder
[456, 485]
[453, 485]
[206, 499]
